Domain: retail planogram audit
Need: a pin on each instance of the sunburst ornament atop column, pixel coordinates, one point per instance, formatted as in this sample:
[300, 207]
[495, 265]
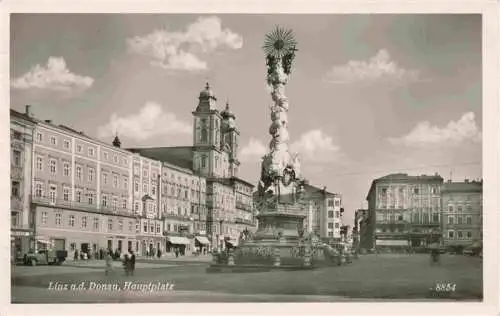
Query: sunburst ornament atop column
[279, 47]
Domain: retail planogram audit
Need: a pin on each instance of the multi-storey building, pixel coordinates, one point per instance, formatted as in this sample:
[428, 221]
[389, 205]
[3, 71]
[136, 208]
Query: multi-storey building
[404, 211]
[146, 177]
[360, 231]
[21, 142]
[462, 213]
[81, 191]
[213, 158]
[323, 213]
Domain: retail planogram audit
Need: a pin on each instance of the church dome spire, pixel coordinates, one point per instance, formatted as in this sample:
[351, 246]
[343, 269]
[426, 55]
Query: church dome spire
[227, 113]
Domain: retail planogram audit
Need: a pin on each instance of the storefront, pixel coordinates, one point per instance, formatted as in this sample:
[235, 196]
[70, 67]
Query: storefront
[21, 243]
[149, 245]
[392, 245]
[202, 244]
[180, 244]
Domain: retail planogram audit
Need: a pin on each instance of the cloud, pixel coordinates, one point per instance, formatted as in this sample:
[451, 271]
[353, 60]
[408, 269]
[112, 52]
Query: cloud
[378, 67]
[312, 146]
[316, 146]
[455, 133]
[54, 76]
[180, 50]
[150, 121]
[253, 150]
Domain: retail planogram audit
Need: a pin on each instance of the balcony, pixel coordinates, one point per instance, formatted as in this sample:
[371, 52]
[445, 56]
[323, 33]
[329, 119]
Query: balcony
[91, 208]
[16, 203]
[180, 216]
[243, 221]
[243, 206]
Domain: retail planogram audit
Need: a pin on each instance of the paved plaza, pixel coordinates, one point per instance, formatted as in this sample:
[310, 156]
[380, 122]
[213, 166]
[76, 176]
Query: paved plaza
[371, 277]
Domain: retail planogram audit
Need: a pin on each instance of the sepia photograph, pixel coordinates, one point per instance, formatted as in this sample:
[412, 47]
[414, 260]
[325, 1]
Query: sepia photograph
[246, 157]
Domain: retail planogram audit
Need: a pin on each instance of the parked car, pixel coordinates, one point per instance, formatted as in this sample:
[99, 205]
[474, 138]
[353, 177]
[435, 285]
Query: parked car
[45, 256]
[475, 250]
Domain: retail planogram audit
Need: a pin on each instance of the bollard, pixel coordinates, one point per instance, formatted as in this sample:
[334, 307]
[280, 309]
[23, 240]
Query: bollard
[307, 257]
[277, 259]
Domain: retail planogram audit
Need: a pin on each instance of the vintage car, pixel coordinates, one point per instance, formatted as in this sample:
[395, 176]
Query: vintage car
[45, 256]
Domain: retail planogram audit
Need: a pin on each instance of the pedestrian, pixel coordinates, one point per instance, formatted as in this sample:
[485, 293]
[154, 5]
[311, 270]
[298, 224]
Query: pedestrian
[177, 252]
[75, 256]
[159, 253]
[109, 262]
[101, 254]
[132, 263]
[126, 263]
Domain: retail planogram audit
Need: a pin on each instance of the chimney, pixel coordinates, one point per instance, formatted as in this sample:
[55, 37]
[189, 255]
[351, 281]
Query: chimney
[27, 110]
[48, 121]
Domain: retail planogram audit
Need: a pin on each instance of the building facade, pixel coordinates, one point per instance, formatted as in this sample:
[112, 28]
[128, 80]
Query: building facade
[226, 207]
[323, 213]
[21, 151]
[403, 212]
[462, 213]
[82, 192]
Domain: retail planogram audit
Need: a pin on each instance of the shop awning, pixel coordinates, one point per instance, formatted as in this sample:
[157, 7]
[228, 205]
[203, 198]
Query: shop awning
[389, 242]
[203, 240]
[178, 240]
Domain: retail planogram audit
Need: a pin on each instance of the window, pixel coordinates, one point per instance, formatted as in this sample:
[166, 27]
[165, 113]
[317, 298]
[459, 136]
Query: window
[451, 234]
[79, 172]
[137, 228]
[450, 208]
[136, 207]
[53, 140]
[120, 225]
[337, 203]
[16, 188]
[153, 190]
[58, 219]
[434, 190]
[469, 220]
[450, 220]
[337, 214]
[435, 217]
[104, 201]
[91, 174]
[71, 221]
[79, 148]
[39, 163]
[66, 194]
[53, 194]
[90, 196]
[330, 214]
[203, 161]
[124, 203]
[66, 169]
[115, 159]
[79, 196]
[110, 224]
[115, 181]
[52, 166]
[330, 225]
[66, 144]
[39, 137]
[44, 217]
[136, 186]
[125, 183]
[459, 220]
[91, 152]
[145, 173]
[145, 227]
[337, 225]
[115, 203]
[469, 235]
[459, 208]
[84, 222]
[145, 188]
[400, 217]
[96, 223]
[130, 225]
[460, 235]
[416, 190]
[105, 178]
[16, 158]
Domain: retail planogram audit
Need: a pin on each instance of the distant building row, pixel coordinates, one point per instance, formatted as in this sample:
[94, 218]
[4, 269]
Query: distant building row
[74, 192]
[415, 211]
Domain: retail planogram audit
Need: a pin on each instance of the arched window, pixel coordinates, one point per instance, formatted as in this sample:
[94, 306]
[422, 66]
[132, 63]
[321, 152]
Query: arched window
[203, 135]
[203, 161]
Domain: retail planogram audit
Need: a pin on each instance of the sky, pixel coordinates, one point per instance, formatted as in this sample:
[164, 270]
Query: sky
[369, 95]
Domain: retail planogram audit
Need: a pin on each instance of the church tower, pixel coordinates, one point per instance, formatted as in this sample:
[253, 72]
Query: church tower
[230, 139]
[207, 135]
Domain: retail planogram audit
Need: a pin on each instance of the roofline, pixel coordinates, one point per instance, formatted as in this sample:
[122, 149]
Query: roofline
[23, 116]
